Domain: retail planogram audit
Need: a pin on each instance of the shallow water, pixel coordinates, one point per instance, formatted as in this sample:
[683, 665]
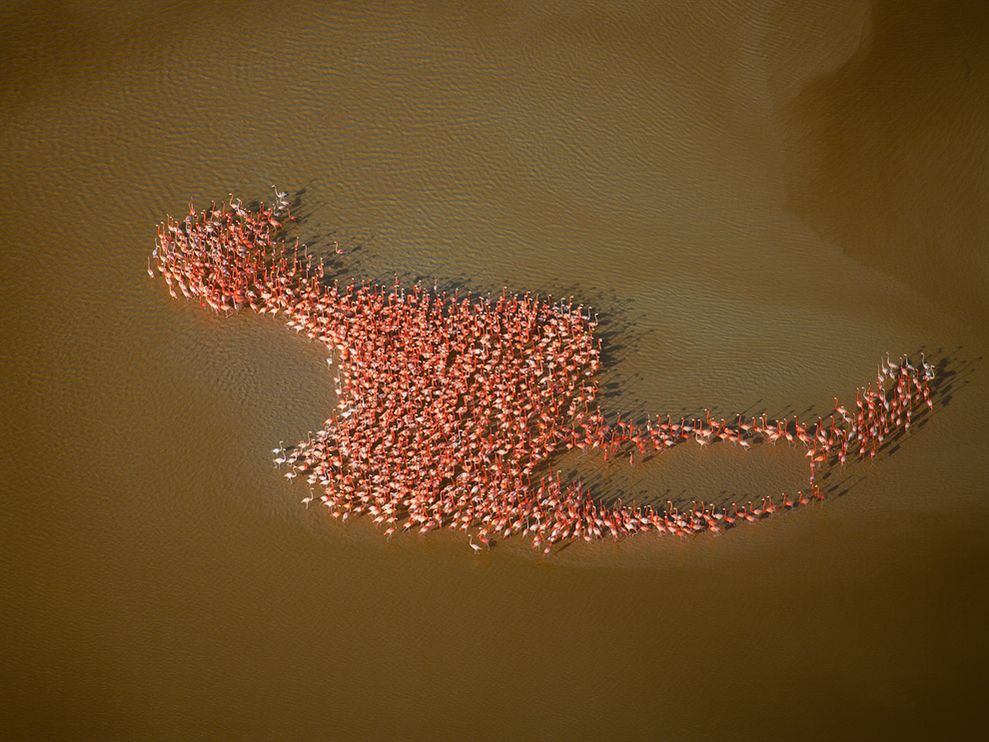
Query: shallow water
[759, 200]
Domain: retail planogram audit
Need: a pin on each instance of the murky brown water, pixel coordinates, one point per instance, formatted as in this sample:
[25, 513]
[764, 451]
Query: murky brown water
[761, 199]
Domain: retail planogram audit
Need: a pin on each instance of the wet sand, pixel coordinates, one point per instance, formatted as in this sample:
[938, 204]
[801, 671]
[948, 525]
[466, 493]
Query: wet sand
[759, 201]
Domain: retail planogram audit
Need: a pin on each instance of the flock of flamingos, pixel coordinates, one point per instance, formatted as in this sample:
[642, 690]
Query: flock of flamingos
[451, 405]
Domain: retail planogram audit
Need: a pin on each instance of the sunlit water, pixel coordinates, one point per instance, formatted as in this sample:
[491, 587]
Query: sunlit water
[759, 201]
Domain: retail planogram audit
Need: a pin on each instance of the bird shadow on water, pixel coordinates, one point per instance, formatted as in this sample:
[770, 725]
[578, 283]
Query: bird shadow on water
[340, 248]
[621, 329]
[953, 372]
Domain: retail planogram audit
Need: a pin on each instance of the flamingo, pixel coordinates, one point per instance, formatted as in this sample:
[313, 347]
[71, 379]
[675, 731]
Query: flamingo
[449, 404]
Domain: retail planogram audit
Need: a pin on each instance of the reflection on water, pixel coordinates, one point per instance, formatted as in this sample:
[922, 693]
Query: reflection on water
[759, 197]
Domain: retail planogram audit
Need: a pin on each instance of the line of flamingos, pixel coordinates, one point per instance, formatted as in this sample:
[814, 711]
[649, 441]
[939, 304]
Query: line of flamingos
[451, 405]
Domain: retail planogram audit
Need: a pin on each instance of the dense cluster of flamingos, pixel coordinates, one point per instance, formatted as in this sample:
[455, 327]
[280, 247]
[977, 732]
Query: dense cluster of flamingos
[451, 405]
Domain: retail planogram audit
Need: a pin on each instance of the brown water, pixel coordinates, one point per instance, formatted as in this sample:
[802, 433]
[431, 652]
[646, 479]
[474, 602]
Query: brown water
[760, 200]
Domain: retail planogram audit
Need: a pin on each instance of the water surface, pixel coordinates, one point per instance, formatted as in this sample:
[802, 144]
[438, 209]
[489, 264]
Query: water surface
[760, 200]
